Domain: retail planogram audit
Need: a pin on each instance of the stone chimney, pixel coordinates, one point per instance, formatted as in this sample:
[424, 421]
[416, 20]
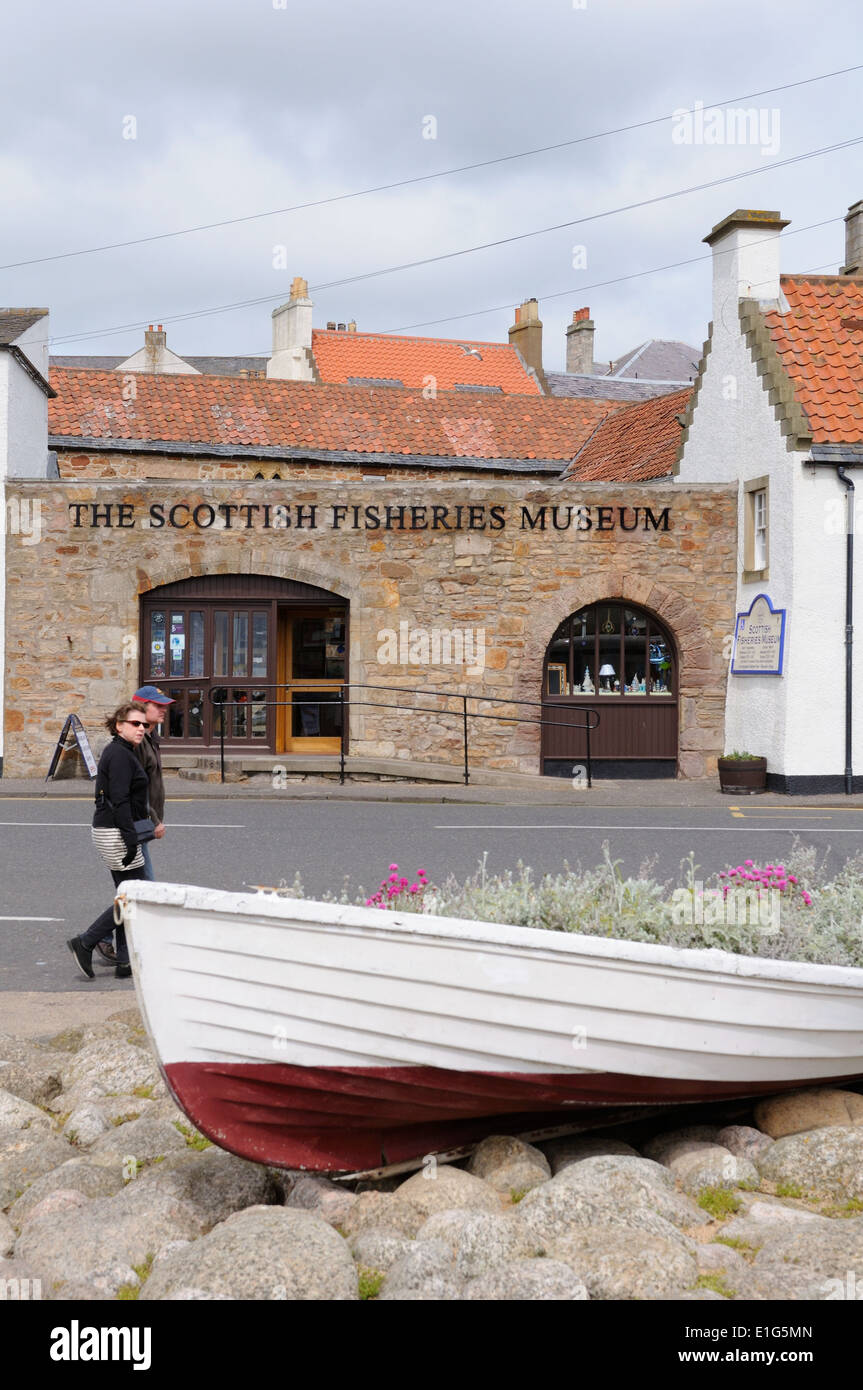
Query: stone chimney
[526, 335]
[854, 240]
[155, 344]
[579, 343]
[156, 357]
[745, 248]
[292, 336]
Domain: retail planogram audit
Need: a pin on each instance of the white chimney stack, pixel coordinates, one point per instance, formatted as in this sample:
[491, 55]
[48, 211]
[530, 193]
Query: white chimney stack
[745, 249]
[292, 336]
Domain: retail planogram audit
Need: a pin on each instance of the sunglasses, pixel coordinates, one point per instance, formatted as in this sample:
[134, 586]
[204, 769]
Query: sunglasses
[136, 723]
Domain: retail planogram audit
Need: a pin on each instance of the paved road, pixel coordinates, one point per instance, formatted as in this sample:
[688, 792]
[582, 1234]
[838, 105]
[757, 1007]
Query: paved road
[49, 871]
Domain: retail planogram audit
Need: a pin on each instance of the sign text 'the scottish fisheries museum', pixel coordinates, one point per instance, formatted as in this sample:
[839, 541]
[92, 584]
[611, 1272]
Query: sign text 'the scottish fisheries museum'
[266, 516]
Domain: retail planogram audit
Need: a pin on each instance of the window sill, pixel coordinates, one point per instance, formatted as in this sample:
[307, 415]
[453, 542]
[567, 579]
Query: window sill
[755, 576]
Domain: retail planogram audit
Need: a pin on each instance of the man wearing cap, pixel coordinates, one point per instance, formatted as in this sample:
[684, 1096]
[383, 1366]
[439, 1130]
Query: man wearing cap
[154, 703]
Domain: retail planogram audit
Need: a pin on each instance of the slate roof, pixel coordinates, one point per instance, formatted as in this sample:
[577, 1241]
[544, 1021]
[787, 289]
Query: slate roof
[14, 322]
[819, 340]
[633, 445]
[210, 366]
[658, 359]
[451, 361]
[224, 412]
[573, 384]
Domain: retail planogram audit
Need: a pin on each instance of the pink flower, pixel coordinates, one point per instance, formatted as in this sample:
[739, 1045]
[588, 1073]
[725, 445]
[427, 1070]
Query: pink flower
[414, 888]
[749, 863]
[394, 868]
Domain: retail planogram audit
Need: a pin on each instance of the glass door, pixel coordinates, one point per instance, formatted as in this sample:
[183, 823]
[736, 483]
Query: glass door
[312, 671]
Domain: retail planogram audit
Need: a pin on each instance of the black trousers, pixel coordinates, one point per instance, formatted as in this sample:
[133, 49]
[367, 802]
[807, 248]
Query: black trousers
[104, 924]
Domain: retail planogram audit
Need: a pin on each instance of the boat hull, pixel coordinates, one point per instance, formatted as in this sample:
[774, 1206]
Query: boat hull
[330, 1119]
[337, 1038]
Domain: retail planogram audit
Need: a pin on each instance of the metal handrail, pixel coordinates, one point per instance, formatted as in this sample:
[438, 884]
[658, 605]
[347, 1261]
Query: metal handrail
[345, 704]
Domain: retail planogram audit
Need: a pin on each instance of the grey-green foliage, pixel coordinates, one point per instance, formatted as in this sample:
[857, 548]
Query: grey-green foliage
[603, 902]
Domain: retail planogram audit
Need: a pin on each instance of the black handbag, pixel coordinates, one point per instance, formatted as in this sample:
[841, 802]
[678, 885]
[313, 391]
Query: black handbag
[145, 830]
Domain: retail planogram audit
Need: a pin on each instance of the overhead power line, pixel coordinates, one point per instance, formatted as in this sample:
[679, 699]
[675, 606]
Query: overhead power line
[467, 250]
[423, 178]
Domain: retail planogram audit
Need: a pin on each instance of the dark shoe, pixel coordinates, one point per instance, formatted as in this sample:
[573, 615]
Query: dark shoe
[83, 957]
[107, 952]
[123, 972]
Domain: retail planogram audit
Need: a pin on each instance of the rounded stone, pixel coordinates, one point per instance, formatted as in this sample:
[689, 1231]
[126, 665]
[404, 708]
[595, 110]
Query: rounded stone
[662, 1148]
[713, 1166]
[631, 1264]
[523, 1280]
[826, 1162]
[18, 1114]
[379, 1247]
[805, 1110]
[443, 1188]
[501, 1151]
[479, 1239]
[565, 1151]
[24, 1156]
[744, 1141]
[77, 1174]
[263, 1253]
[425, 1271]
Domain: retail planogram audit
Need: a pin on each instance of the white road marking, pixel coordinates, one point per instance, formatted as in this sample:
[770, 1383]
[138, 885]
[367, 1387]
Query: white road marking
[78, 824]
[32, 919]
[675, 829]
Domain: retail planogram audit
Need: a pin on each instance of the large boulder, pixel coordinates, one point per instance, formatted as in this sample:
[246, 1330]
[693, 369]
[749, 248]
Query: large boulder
[479, 1239]
[76, 1174]
[626, 1182]
[106, 1067]
[662, 1148]
[558, 1208]
[625, 1264]
[144, 1139]
[327, 1199]
[804, 1110]
[28, 1070]
[379, 1247]
[509, 1165]
[563, 1152]
[825, 1162]
[262, 1253]
[424, 1272]
[212, 1183]
[79, 1247]
[25, 1154]
[374, 1209]
[533, 1280]
[713, 1166]
[744, 1141]
[443, 1188]
[19, 1114]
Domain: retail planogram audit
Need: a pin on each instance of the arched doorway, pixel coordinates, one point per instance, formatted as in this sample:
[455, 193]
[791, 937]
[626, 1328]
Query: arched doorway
[252, 638]
[621, 661]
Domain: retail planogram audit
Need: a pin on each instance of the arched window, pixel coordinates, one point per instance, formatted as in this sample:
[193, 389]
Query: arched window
[610, 650]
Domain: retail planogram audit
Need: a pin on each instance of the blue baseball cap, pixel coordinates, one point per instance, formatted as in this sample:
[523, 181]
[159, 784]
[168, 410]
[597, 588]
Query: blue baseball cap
[152, 694]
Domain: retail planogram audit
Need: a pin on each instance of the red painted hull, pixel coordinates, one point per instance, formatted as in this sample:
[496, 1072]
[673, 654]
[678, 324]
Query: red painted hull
[344, 1119]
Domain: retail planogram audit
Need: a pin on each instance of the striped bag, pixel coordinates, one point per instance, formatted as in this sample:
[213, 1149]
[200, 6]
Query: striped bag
[109, 845]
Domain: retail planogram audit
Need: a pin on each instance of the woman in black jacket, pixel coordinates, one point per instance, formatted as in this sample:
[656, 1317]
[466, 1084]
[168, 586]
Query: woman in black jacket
[121, 799]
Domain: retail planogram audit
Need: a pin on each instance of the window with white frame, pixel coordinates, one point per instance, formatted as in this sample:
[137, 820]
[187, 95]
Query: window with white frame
[756, 528]
[759, 529]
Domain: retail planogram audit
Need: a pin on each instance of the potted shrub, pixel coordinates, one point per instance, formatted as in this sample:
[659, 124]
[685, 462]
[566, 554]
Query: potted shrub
[742, 774]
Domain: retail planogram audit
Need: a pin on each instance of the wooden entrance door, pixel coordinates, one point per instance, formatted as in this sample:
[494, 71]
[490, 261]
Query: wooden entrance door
[232, 637]
[312, 671]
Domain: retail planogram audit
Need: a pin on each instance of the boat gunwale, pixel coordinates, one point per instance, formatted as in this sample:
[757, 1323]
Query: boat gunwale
[458, 931]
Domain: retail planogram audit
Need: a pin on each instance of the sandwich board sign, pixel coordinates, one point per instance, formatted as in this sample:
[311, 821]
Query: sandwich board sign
[73, 736]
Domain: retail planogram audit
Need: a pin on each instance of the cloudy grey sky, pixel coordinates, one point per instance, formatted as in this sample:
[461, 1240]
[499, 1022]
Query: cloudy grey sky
[241, 106]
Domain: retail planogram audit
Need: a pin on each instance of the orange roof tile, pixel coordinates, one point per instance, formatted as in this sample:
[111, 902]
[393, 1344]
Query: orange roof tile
[820, 342]
[305, 416]
[412, 361]
[633, 445]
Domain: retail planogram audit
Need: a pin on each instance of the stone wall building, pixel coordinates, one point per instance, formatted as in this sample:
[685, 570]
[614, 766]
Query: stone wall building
[305, 564]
